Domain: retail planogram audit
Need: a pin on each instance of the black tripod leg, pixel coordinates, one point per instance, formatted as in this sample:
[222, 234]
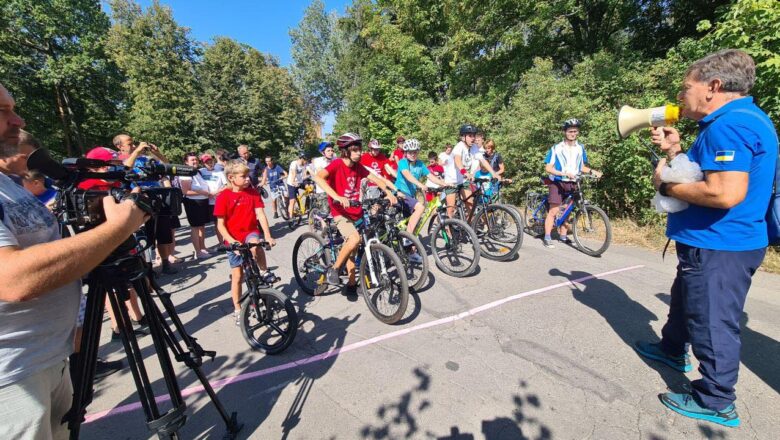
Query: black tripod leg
[83, 369]
[193, 358]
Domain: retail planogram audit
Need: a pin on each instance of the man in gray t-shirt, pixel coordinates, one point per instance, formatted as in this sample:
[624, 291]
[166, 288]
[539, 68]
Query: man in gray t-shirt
[39, 298]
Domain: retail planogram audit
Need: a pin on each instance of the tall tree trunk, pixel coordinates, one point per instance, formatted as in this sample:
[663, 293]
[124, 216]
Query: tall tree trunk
[63, 114]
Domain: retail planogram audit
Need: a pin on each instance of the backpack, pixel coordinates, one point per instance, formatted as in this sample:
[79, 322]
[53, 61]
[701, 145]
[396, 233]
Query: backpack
[773, 210]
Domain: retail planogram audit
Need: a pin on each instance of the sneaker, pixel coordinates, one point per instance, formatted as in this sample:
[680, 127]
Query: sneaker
[320, 289]
[168, 269]
[276, 215]
[269, 277]
[415, 258]
[686, 405]
[350, 290]
[237, 316]
[564, 239]
[143, 326]
[332, 276]
[653, 351]
[202, 255]
[548, 243]
[405, 242]
[116, 336]
[107, 368]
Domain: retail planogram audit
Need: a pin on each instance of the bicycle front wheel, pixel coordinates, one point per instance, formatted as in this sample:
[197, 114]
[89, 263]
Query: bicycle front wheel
[311, 258]
[414, 258]
[268, 321]
[387, 291]
[281, 207]
[500, 232]
[592, 231]
[455, 248]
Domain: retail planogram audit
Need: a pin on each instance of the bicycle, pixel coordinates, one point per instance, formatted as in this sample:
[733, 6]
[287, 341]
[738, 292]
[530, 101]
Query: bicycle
[279, 191]
[405, 245]
[380, 273]
[268, 318]
[454, 244]
[498, 227]
[590, 225]
[302, 203]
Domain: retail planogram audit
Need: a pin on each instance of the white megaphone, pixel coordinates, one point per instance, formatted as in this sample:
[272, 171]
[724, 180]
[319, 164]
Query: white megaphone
[631, 119]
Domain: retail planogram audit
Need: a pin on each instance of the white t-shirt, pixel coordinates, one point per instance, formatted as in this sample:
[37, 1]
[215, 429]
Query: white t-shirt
[35, 334]
[476, 153]
[319, 164]
[298, 170]
[448, 163]
[198, 183]
[464, 151]
[215, 180]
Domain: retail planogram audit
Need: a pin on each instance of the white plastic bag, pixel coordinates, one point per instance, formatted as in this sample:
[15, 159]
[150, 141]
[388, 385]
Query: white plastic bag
[680, 170]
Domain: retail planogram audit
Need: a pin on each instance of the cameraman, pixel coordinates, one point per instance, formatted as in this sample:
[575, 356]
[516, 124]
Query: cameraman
[39, 306]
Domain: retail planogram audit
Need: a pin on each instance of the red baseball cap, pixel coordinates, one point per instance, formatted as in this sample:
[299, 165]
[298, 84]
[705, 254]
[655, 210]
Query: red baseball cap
[102, 153]
[205, 156]
[399, 139]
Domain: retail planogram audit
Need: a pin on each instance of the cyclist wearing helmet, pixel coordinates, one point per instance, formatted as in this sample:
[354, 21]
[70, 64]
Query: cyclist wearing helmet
[272, 175]
[341, 181]
[564, 162]
[319, 163]
[467, 159]
[298, 172]
[410, 172]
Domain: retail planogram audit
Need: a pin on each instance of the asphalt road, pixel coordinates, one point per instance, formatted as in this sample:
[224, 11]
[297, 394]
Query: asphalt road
[548, 357]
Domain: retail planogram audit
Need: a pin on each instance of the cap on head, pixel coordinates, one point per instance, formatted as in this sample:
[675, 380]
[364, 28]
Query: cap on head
[205, 156]
[102, 153]
[400, 140]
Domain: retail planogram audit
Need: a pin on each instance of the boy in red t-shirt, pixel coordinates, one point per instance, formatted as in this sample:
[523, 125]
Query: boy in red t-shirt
[341, 181]
[436, 169]
[238, 212]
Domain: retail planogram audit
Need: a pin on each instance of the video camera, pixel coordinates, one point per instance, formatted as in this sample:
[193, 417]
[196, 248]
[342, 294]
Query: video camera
[83, 208]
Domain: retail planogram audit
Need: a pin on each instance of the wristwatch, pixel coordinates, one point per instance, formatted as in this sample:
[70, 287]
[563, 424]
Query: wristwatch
[662, 189]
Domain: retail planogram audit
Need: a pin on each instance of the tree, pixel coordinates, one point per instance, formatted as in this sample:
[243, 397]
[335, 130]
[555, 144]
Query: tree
[157, 57]
[53, 56]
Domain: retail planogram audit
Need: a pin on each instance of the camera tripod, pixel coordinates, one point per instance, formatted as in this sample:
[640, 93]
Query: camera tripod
[123, 269]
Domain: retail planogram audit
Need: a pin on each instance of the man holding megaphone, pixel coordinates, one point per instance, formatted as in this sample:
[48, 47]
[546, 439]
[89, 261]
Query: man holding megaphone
[721, 237]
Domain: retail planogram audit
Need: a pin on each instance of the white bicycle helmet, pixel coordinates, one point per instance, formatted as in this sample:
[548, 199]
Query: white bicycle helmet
[411, 145]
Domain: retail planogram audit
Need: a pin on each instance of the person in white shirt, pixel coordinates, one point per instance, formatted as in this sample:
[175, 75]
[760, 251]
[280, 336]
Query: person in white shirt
[196, 206]
[217, 182]
[297, 172]
[467, 159]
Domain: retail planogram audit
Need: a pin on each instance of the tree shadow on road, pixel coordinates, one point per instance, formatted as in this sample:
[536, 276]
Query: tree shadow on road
[628, 319]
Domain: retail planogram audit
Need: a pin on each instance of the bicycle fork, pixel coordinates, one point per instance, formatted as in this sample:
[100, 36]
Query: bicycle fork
[371, 268]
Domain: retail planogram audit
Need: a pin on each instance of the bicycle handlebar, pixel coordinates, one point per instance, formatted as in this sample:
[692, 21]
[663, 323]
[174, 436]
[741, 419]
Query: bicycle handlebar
[245, 247]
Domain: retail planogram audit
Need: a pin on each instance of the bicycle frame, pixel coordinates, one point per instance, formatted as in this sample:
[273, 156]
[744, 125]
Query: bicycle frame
[569, 204]
[430, 209]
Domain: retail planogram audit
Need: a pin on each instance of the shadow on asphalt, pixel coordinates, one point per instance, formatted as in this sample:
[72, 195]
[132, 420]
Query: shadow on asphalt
[399, 419]
[628, 319]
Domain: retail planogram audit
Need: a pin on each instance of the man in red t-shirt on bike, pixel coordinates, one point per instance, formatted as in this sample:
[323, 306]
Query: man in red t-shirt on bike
[341, 181]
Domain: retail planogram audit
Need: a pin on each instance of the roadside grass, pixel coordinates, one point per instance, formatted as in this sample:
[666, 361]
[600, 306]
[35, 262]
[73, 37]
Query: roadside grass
[628, 232]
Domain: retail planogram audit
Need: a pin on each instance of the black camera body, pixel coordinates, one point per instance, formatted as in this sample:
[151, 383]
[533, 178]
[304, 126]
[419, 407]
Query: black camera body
[83, 208]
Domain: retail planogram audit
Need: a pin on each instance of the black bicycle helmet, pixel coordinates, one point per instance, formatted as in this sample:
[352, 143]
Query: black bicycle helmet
[468, 129]
[347, 139]
[571, 123]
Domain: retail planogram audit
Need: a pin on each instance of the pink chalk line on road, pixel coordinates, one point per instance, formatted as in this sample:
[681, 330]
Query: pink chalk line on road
[354, 346]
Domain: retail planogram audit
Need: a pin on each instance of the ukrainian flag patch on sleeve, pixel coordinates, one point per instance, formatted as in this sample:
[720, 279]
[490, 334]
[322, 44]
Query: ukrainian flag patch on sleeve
[724, 156]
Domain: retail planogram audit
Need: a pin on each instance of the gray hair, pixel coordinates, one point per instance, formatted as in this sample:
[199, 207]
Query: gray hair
[733, 67]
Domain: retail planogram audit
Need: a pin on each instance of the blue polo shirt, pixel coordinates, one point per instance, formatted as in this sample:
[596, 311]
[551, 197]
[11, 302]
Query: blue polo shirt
[737, 137]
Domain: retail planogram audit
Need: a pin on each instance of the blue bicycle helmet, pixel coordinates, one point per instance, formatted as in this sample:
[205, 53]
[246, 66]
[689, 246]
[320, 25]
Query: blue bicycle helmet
[324, 145]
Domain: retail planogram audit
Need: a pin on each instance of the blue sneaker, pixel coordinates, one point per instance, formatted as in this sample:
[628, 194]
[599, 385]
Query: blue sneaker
[686, 405]
[653, 351]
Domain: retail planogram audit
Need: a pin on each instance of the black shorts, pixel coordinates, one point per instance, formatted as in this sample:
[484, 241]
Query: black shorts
[558, 191]
[197, 212]
[159, 230]
[292, 192]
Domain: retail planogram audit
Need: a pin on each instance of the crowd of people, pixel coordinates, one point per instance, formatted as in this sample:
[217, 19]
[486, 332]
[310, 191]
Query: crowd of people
[720, 240]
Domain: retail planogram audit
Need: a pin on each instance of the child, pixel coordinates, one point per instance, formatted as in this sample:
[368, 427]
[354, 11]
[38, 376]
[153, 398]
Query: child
[437, 170]
[488, 188]
[238, 210]
[35, 182]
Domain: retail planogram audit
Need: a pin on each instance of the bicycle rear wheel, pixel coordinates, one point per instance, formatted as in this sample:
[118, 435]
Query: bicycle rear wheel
[455, 248]
[311, 258]
[500, 232]
[281, 208]
[416, 272]
[592, 231]
[388, 297]
[269, 321]
[533, 222]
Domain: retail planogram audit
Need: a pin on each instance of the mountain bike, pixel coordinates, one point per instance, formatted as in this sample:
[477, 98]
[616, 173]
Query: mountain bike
[407, 246]
[302, 203]
[498, 227]
[279, 193]
[454, 244]
[268, 318]
[589, 224]
[380, 273]
[318, 212]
